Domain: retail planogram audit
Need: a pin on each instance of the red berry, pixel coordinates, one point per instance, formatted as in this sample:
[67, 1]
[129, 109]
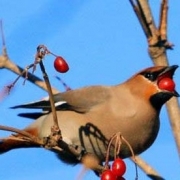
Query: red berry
[118, 167]
[60, 65]
[166, 84]
[108, 175]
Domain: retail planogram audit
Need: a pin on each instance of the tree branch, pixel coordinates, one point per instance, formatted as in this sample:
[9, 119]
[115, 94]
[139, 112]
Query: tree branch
[6, 63]
[158, 45]
[150, 171]
[158, 55]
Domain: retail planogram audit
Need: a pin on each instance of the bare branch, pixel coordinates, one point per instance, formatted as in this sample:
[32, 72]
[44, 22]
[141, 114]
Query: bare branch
[157, 51]
[145, 8]
[32, 140]
[163, 25]
[173, 104]
[174, 116]
[6, 63]
[163, 20]
[56, 132]
[25, 135]
[141, 18]
[151, 172]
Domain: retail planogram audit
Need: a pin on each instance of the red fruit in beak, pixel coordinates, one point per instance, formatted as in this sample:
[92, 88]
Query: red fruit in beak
[167, 84]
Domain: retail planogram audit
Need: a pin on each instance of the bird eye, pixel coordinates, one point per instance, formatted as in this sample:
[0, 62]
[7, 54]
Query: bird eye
[149, 76]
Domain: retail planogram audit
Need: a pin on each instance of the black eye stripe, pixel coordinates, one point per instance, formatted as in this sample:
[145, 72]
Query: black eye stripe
[152, 76]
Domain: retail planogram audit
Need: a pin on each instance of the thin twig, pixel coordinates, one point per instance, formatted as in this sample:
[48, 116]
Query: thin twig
[23, 133]
[142, 11]
[6, 63]
[46, 79]
[12, 129]
[141, 19]
[163, 25]
[29, 137]
[67, 88]
[163, 20]
[149, 170]
[9, 65]
[146, 11]
[39, 57]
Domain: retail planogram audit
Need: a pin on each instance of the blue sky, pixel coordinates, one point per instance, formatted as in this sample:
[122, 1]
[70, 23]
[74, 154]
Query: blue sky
[103, 43]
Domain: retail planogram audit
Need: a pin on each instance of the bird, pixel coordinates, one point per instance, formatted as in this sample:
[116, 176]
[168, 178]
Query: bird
[89, 116]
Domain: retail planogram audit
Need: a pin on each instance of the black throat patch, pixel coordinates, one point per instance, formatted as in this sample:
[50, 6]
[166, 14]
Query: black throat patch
[158, 99]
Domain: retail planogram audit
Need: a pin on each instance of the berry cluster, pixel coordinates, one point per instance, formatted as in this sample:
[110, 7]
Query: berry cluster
[118, 167]
[116, 172]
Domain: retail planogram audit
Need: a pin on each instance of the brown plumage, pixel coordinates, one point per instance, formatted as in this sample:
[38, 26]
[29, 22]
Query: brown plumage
[89, 116]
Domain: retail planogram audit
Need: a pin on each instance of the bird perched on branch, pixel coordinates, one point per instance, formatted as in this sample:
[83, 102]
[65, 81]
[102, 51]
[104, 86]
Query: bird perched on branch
[89, 116]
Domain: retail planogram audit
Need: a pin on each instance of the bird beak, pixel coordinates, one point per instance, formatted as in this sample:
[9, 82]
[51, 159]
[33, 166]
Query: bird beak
[168, 72]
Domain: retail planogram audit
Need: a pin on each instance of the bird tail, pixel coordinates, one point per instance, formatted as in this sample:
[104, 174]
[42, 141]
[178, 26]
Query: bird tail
[12, 142]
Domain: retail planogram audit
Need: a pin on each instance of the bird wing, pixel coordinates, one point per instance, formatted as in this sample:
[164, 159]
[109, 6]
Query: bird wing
[80, 100]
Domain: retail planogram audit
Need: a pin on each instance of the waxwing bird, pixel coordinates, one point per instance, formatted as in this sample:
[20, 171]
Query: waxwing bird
[89, 116]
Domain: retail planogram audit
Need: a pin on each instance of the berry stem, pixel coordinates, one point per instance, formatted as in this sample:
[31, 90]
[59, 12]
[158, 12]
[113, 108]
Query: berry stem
[55, 130]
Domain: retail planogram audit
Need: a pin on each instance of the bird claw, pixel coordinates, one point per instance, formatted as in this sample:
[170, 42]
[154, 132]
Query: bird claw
[53, 139]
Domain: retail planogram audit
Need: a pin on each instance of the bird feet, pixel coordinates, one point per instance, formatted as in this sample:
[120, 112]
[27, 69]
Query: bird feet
[53, 139]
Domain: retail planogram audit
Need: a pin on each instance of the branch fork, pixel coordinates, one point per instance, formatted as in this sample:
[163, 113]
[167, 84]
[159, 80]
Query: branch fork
[155, 36]
[54, 140]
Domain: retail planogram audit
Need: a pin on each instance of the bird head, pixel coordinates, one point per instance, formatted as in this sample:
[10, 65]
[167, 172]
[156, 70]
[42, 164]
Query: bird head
[155, 84]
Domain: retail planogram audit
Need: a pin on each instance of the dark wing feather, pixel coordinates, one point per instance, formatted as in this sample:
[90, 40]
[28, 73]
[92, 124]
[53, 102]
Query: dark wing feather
[80, 100]
[43, 104]
[33, 115]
